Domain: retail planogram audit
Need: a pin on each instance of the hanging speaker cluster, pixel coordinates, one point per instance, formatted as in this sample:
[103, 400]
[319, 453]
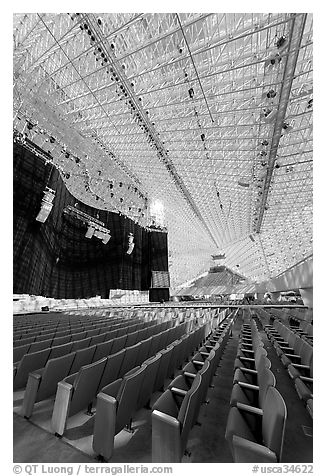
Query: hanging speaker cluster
[46, 205]
[99, 232]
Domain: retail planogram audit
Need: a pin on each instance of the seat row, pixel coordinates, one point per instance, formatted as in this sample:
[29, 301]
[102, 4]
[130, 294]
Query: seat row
[30, 345]
[177, 409]
[296, 356]
[85, 369]
[113, 340]
[79, 390]
[56, 320]
[257, 417]
[75, 327]
[118, 402]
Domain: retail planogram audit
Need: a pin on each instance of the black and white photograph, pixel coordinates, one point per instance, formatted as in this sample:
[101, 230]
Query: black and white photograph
[162, 246]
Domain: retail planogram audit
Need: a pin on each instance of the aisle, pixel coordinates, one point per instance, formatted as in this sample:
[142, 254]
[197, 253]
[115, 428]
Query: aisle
[207, 442]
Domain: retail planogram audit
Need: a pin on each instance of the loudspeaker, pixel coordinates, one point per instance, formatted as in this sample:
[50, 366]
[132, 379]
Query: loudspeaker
[159, 294]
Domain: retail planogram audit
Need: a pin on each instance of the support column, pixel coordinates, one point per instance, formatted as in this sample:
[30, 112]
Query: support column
[307, 296]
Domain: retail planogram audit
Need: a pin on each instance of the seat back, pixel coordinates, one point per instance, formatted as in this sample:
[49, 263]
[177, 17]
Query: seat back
[130, 359]
[80, 344]
[103, 350]
[306, 353]
[154, 345]
[55, 370]
[85, 385]
[131, 339]
[188, 412]
[297, 346]
[83, 357]
[19, 352]
[97, 339]
[151, 366]
[266, 379]
[40, 345]
[61, 340]
[28, 363]
[145, 348]
[260, 352]
[112, 369]
[162, 371]
[118, 344]
[128, 397]
[273, 422]
[60, 350]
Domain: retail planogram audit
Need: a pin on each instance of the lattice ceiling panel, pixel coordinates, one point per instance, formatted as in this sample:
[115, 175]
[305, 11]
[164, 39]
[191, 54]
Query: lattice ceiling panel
[209, 113]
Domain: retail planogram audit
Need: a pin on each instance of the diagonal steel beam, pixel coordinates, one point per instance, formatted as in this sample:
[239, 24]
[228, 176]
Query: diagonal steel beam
[163, 153]
[295, 38]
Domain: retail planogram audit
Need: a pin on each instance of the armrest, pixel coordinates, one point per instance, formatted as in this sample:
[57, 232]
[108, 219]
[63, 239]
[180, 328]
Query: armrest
[178, 391]
[189, 374]
[198, 362]
[105, 425]
[248, 386]
[249, 371]
[247, 359]
[112, 388]
[286, 348]
[246, 350]
[204, 353]
[61, 407]
[295, 356]
[247, 451]
[249, 409]
[300, 366]
[306, 379]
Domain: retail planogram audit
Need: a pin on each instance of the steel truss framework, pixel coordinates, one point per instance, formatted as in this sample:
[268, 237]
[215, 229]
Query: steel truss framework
[211, 114]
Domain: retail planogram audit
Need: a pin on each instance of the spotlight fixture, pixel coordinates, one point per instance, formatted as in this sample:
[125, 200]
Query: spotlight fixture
[90, 231]
[131, 244]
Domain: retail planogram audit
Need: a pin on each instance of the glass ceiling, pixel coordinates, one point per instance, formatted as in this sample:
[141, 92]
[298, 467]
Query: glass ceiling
[209, 114]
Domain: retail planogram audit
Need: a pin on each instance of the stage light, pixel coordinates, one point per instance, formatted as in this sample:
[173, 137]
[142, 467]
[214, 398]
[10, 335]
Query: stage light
[46, 205]
[106, 238]
[90, 232]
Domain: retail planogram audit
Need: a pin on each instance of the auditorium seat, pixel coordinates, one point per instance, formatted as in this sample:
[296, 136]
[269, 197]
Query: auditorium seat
[244, 374]
[115, 407]
[151, 366]
[60, 350]
[172, 419]
[132, 338]
[250, 362]
[130, 359]
[43, 383]
[103, 350]
[244, 393]
[111, 370]
[43, 344]
[82, 357]
[288, 354]
[74, 393]
[19, 352]
[302, 364]
[97, 339]
[265, 447]
[304, 387]
[162, 371]
[28, 363]
[80, 344]
[310, 407]
[118, 344]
